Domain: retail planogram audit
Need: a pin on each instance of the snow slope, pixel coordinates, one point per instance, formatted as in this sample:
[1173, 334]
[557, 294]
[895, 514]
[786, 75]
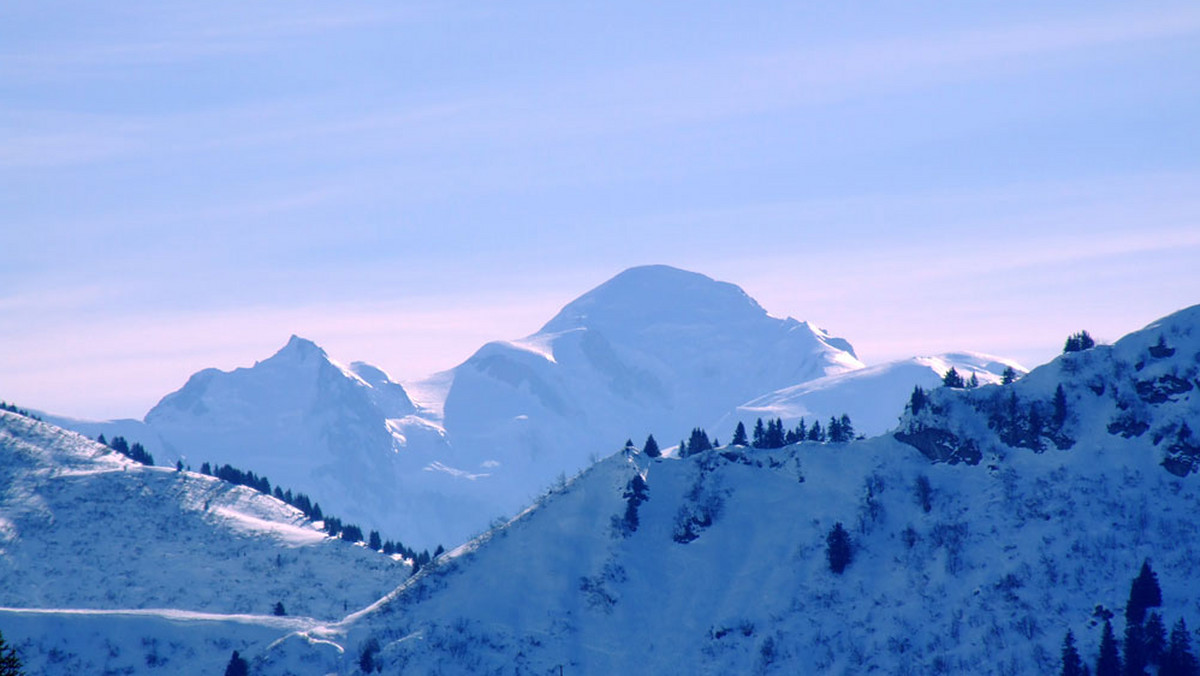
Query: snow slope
[873, 397]
[959, 567]
[84, 527]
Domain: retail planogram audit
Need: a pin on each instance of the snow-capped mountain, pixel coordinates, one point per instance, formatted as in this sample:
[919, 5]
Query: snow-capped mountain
[873, 397]
[653, 350]
[90, 540]
[719, 562]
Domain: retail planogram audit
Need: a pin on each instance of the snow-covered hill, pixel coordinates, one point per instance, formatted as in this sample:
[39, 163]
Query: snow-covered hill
[873, 397]
[971, 567]
[82, 526]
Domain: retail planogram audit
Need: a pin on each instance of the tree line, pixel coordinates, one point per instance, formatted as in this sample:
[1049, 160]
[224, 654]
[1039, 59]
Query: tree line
[767, 435]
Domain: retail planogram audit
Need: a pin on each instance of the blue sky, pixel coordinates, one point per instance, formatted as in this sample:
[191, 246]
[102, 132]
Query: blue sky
[187, 184]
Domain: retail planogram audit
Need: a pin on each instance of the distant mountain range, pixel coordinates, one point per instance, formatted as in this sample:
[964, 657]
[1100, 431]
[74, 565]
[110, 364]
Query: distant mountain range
[655, 350]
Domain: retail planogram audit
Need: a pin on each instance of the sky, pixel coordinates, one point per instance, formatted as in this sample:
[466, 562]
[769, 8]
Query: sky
[186, 185]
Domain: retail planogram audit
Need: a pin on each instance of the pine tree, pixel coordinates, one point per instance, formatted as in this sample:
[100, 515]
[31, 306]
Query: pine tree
[1008, 376]
[698, 442]
[1109, 661]
[917, 401]
[815, 433]
[1155, 634]
[973, 382]
[1179, 661]
[1079, 342]
[278, 609]
[801, 433]
[739, 435]
[760, 435]
[1072, 665]
[374, 541]
[10, 663]
[952, 379]
[1143, 593]
[834, 430]
[237, 666]
[838, 549]
[1135, 650]
[774, 438]
[847, 428]
[651, 447]
[1060, 407]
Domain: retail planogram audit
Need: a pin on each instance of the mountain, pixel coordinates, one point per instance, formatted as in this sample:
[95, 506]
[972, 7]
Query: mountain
[973, 556]
[873, 397]
[653, 350]
[90, 540]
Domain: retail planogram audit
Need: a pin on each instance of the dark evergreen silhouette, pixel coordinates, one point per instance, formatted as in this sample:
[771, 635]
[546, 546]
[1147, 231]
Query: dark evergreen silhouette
[650, 448]
[974, 381]
[237, 666]
[636, 492]
[12, 408]
[1060, 407]
[1079, 342]
[1008, 376]
[278, 610]
[10, 663]
[739, 436]
[952, 379]
[760, 435]
[816, 433]
[374, 541]
[834, 430]
[847, 427]
[1179, 660]
[1134, 650]
[838, 549]
[1072, 665]
[136, 452]
[1109, 661]
[1144, 593]
[1155, 634]
[916, 402]
[352, 533]
[698, 442]
[774, 437]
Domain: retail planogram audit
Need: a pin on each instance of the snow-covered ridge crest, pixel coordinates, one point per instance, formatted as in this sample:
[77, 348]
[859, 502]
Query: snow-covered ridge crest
[1143, 389]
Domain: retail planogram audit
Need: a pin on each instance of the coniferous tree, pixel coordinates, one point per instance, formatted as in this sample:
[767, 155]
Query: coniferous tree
[1079, 342]
[278, 609]
[1179, 660]
[739, 436]
[834, 430]
[1109, 661]
[847, 427]
[1072, 665]
[815, 433]
[374, 541]
[801, 433]
[973, 382]
[775, 437]
[1060, 406]
[237, 666]
[1008, 376]
[1143, 593]
[917, 401]
[1155, 634]
[952, 379]
[838, 549]
[101, 440]
[1134, 662]
[760, 435]
[698, 442]
[10, 663]
[651, 447]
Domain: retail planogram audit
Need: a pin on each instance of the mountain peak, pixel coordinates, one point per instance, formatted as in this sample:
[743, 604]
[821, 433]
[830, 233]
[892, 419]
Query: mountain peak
[297, 349]
[656, 294]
